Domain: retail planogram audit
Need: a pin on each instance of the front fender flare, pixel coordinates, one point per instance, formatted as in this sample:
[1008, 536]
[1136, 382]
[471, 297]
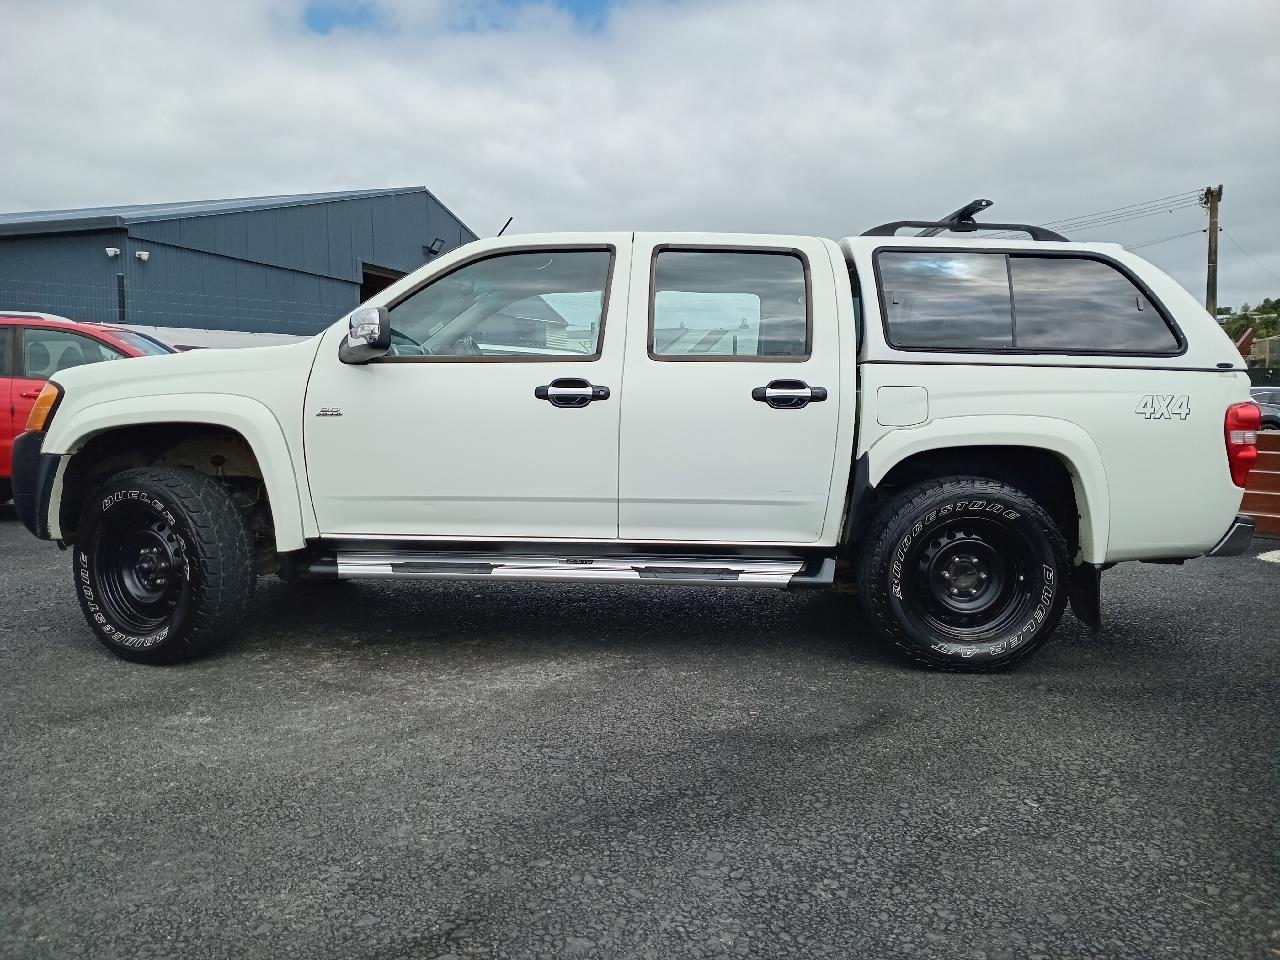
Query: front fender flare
[250, 418]
[1066, 440]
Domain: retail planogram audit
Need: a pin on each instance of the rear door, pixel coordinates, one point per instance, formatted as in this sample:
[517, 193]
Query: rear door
[733, 394]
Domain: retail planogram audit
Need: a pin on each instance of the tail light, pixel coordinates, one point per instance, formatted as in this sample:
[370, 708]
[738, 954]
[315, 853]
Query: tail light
[1244, 420]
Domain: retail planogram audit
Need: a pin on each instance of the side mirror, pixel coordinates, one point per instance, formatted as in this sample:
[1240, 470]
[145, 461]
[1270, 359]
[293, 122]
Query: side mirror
[368, 335]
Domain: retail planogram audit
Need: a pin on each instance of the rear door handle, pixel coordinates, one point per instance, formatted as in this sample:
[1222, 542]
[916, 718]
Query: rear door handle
[789, 394]
[570, 392]
[28, 396]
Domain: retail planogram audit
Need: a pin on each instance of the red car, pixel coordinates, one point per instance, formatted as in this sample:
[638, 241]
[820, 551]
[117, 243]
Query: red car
[35, 346]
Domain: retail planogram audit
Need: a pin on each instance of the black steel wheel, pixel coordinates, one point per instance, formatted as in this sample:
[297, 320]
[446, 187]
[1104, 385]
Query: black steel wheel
[140, 569]
[163, 565]
[964, 573]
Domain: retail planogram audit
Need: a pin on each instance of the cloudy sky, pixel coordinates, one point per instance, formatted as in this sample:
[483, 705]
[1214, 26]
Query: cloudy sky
[801, 116]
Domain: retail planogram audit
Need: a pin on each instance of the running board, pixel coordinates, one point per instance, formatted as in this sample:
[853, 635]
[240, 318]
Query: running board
[712, 571]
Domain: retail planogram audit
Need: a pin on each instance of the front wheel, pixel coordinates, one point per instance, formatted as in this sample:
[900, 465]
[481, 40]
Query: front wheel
[964, 573]
[164, 567]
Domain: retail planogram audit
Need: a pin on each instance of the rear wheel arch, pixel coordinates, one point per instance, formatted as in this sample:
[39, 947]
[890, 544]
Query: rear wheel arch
[1066, 477]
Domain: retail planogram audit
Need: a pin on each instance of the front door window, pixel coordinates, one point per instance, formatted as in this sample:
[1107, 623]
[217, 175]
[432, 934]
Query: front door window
[514, 306]
[48, 351]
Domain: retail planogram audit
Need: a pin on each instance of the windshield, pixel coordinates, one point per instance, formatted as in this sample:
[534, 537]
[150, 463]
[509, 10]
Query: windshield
[145, 345]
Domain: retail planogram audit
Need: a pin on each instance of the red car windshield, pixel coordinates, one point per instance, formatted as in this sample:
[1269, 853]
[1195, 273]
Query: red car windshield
[145, 346]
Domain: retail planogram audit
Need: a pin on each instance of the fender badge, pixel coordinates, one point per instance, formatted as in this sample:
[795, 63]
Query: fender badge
[329, 412]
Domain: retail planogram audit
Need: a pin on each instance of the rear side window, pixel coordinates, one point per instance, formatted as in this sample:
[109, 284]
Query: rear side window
[956, 300]
[1062, 303]
[712, 304]
[994, 302]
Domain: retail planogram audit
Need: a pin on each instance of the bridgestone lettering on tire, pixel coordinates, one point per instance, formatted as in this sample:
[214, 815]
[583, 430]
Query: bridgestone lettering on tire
[964, 573]
[163, 565]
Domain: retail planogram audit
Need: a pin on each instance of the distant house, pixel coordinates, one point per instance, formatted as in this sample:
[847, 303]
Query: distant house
[283, 265]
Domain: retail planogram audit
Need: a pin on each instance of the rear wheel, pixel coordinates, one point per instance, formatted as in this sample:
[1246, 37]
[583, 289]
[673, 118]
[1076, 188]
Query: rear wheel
[964, 573]
[164, 566]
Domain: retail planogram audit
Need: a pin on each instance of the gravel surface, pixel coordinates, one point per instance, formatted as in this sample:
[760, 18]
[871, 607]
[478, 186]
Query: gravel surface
[509, 770]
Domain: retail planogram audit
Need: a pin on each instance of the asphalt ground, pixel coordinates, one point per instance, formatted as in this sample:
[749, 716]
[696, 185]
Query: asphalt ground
[460, 770]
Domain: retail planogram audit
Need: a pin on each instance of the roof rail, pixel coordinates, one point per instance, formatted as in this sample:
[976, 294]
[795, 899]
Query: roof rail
[961, 221]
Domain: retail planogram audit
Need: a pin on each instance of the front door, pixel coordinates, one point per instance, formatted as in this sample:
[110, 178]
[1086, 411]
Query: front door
[41, 353]
[733, 394]
[496, 412]
[8, 429]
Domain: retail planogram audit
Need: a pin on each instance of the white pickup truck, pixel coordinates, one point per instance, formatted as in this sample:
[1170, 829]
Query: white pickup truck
[974, 429]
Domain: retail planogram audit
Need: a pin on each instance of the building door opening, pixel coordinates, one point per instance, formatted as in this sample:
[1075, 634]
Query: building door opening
[376, 279]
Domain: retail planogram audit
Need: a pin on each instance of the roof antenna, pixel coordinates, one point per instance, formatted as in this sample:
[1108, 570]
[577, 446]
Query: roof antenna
[963, 215]
[505, 225]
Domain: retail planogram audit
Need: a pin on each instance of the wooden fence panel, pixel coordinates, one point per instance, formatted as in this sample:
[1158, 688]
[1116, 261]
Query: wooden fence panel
[1262, 496]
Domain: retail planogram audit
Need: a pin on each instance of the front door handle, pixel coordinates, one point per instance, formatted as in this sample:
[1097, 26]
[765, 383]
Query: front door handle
[570, 392]
[789, 394]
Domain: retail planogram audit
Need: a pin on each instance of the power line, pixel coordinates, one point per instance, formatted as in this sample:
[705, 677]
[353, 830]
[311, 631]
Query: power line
[1111, 221]
[1176, 236]
[1078, 227]
[1133, 211]
[1158, 202]
[1250, 255]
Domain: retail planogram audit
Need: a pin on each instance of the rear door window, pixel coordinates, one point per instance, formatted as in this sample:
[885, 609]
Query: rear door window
[729, 305]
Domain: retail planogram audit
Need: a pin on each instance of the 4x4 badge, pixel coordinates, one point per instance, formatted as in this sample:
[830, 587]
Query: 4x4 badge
[329, 412]
[1159, 406]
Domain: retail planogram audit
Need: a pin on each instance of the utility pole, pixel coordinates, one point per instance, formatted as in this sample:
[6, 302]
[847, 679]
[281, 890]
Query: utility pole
[1210, 199]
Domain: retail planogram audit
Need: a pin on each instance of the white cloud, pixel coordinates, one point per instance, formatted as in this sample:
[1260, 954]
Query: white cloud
[817, 117]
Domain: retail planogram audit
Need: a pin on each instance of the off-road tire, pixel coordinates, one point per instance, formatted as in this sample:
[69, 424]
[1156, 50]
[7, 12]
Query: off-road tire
[163, 565]
[995, 540]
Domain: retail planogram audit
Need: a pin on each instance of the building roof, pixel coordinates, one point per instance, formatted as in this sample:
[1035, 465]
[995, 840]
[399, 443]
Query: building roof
[108, 218]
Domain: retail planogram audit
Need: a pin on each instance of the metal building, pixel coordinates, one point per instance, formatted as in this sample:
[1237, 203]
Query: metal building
[290, 264]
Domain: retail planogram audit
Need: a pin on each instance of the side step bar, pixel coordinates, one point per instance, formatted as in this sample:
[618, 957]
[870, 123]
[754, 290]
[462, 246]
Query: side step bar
[708, 571]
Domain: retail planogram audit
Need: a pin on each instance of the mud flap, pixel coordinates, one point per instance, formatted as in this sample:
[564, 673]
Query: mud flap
[1086, 595]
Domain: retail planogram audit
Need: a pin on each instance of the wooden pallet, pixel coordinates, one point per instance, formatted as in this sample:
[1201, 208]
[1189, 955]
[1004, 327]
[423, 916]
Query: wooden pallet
[1262, 496]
